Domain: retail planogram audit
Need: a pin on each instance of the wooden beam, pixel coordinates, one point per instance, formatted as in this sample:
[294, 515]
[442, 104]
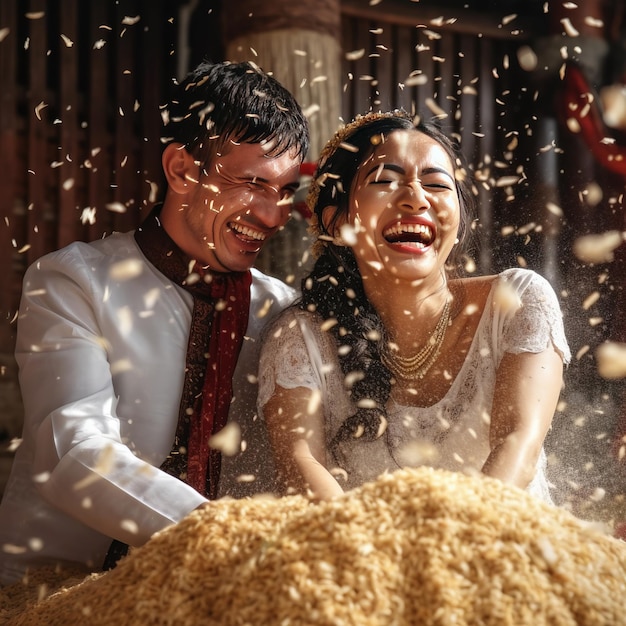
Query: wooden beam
[9, 223]
[462, 21]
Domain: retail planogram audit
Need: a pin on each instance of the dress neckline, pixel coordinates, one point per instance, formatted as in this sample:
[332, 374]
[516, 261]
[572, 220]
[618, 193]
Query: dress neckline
[460, 375]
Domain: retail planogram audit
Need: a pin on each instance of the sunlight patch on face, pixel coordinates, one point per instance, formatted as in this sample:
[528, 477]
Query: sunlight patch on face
[348, 234]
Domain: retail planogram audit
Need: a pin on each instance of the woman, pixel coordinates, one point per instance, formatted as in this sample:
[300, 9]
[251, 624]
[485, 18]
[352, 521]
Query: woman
[391, 358]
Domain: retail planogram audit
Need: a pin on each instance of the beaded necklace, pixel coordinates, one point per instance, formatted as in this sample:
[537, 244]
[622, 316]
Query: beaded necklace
[418, 365]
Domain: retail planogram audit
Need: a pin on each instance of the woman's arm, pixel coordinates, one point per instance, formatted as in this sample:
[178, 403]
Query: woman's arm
[525, 398]
[295, 423]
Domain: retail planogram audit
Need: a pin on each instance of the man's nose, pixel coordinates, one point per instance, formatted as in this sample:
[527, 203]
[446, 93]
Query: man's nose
[273, 210]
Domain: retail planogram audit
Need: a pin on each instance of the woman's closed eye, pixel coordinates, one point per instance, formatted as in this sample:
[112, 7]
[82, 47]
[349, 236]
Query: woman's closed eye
[395, 182]
[383, 181]
[436, 185]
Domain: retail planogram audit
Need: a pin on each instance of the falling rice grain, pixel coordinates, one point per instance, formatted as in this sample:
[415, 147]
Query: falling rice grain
[597, 248]
[611, 360]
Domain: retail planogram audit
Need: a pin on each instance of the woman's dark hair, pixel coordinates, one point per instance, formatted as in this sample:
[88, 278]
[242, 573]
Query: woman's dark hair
[334, 287]
[221, 102]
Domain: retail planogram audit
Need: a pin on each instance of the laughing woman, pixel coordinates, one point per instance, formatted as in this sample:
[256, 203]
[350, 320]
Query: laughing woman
[391, 358]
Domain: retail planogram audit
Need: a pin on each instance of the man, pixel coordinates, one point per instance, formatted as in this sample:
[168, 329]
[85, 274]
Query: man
[133, 350]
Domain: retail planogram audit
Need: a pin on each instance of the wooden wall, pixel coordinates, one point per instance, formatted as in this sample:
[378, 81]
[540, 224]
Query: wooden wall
[81, 84]
[80, 89]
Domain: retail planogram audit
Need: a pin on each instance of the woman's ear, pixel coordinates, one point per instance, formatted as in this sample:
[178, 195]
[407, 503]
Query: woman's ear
[180, 168]
[331, 221]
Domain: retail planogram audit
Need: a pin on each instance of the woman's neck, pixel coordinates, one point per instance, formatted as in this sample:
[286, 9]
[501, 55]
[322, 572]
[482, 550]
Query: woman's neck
[409, 312]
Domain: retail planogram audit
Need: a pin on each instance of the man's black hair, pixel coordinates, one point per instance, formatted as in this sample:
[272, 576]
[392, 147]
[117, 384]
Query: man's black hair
[221, 102]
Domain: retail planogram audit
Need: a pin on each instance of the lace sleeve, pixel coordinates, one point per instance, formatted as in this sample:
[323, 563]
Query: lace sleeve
[537, 323]
[290, 355]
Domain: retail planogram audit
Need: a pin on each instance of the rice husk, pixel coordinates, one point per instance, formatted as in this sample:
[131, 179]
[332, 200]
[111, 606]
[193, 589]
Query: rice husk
[419, 546]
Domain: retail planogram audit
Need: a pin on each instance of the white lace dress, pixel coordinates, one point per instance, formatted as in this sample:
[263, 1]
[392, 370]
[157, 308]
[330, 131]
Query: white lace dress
[452, 434]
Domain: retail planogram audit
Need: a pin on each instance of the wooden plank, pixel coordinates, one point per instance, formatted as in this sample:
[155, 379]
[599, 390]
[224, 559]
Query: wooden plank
[384, 85]
[357, 46]
[404, 48]
[38, 118]
[69, 228]
[485, 145]
[124, 148]
[447, 76]
[425, 89]
[488, 24]
[102, 38]
[466, 91]
[11, 227]
[154, 78]
[363, 70]
[348, 67]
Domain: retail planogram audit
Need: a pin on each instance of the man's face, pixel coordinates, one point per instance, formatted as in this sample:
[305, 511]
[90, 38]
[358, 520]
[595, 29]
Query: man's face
[241, 198]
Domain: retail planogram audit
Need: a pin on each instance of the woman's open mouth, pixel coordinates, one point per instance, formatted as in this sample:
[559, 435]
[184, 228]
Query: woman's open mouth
[417, 235]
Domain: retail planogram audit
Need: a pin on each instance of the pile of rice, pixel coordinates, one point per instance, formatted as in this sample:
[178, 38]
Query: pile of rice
[419, 546]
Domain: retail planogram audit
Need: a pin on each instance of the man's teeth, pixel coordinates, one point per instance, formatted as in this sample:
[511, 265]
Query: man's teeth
[247, 232]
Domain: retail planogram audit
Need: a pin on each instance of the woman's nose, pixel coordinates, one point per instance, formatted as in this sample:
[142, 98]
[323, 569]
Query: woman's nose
[413, 196]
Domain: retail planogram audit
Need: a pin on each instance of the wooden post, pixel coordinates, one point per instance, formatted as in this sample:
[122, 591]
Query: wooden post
[299, 44]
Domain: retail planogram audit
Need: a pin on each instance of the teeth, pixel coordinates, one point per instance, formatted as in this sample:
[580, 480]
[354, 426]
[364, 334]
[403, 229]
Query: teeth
[247, 232]
[399, 229]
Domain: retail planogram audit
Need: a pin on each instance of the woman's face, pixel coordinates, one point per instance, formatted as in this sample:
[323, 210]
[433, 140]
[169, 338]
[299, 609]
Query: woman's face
[404, 209]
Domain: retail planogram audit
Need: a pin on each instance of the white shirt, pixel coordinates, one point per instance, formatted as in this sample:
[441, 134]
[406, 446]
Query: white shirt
[101, 346]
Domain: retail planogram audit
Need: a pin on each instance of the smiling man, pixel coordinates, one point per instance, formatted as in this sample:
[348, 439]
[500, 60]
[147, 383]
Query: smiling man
[135, 350]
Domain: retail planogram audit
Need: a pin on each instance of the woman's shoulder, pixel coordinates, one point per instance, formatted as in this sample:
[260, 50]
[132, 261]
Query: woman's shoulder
[292, 321]
[516, 278]
[522, 277]
[294, 314]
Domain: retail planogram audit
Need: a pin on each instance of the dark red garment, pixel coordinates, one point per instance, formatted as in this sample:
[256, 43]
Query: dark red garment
[578, 101]
[218, 326]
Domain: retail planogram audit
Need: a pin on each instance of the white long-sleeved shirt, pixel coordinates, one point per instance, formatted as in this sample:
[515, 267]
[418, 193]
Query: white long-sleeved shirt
[101, 346]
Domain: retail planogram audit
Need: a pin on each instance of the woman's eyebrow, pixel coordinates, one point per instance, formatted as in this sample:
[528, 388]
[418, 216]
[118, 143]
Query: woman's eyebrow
[437, 170]
[386, 166]
[400, 170]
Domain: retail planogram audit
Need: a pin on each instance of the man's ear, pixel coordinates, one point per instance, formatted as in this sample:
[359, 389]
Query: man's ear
[179, 167]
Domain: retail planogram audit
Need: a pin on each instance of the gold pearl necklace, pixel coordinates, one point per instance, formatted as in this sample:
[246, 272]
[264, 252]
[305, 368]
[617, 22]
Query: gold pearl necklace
[417, 366]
